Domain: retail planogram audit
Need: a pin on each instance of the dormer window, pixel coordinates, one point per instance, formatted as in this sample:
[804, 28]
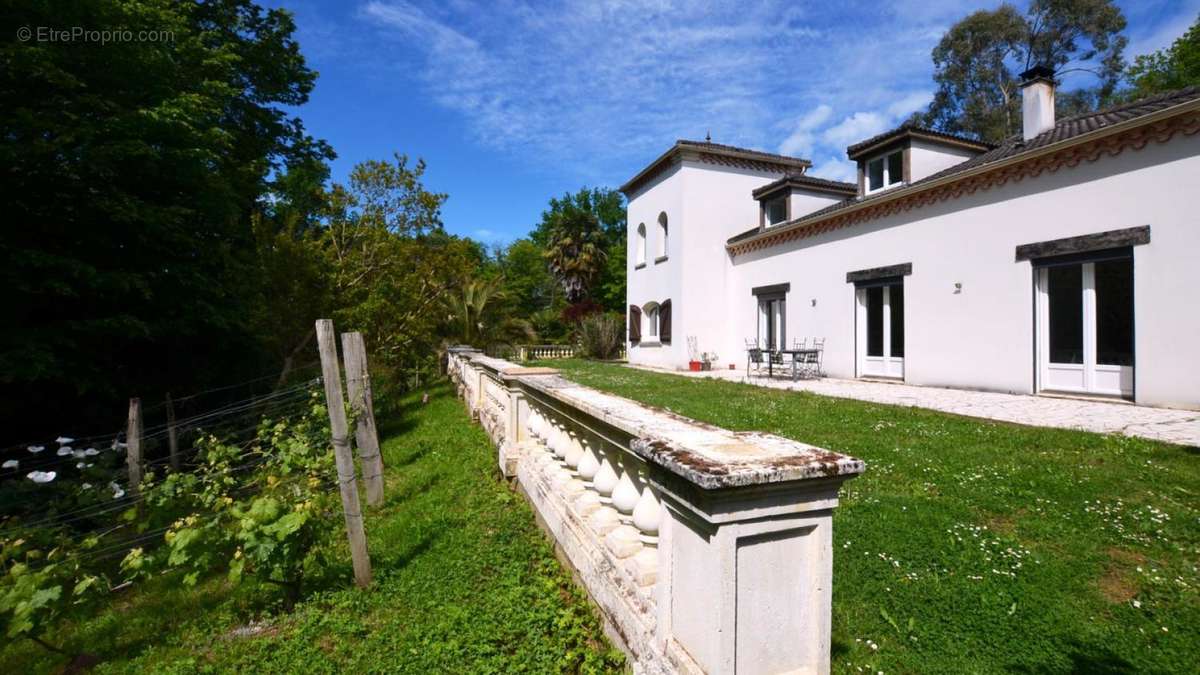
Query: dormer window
[776, 210]
[886, 171]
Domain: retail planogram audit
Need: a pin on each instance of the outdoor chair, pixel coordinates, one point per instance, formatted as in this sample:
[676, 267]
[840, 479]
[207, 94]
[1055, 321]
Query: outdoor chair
[754, 360]
[799, 344]
[812, 361]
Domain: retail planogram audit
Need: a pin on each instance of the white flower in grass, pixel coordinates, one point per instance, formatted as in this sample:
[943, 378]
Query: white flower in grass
[117, 491]
[41, 476]
[64, 451]
[79, 454]
[91, 452]
[11, 464]
[35, 449]
[86, 486]
[118, 445]
[63, 440]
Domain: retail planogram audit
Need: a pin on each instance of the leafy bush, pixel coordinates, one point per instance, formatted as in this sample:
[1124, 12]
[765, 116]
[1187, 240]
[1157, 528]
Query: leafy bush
[601, 336]
[268, 525]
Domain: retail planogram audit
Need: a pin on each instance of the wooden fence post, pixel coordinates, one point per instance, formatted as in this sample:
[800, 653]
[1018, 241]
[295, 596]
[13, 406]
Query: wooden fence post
[358, 385]
[133, 446]
[347, 482]
[172, 438]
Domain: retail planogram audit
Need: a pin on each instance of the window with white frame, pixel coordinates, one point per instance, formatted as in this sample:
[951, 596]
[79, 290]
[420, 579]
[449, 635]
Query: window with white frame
[640, 243]
[662, 236]
[885, 172]
[650, 321]
[772, 321]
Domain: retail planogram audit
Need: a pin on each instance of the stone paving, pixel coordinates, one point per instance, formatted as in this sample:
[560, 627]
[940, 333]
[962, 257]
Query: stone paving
[1172, 426]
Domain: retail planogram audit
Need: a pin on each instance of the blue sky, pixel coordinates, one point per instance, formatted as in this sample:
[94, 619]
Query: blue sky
[510, 103]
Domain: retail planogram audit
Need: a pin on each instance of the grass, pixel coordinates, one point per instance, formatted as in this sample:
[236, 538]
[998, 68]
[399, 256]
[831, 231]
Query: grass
[464, 582]
[971, 546]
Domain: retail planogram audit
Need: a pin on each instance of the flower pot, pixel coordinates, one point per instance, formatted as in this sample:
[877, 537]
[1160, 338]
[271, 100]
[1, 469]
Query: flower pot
[706, 366]
[694, 365]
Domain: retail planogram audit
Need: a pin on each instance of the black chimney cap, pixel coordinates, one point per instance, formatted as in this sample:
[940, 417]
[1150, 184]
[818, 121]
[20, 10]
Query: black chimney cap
[1038, 72]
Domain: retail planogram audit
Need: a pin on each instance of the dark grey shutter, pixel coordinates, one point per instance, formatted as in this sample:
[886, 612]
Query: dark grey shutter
[664, 321]
[635, 323]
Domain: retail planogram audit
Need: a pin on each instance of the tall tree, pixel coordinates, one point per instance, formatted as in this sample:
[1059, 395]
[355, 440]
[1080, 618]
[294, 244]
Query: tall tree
[575, 251]
[1175, 67]
[130, 172]
[978, 61]
[607, 206]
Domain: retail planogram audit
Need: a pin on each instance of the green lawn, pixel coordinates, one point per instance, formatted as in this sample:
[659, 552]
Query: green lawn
[464, 582]
[973, 546]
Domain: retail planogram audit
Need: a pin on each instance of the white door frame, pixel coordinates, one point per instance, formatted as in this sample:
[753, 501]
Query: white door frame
[876, 366]
[1088, 377]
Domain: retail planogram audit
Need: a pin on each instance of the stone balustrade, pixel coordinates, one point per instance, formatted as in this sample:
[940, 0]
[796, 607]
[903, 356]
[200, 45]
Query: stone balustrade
[706, 550]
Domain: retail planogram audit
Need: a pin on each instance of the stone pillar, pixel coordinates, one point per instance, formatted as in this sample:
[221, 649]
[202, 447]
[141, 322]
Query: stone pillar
[750, 575]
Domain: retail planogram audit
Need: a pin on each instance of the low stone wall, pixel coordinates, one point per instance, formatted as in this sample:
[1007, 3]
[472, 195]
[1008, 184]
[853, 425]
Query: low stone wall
[706, 550]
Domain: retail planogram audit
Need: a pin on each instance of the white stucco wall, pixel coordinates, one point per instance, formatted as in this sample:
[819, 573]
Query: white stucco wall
[656, 281]
[705, 205]
[983, 337]
[929, 158]
[804, 202]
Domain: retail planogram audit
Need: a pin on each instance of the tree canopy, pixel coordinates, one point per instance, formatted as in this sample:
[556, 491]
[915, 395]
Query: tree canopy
[977, 63]
[1175, 67]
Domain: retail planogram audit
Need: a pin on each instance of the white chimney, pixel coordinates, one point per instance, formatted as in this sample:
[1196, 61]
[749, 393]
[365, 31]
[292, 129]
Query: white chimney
[1037, 101]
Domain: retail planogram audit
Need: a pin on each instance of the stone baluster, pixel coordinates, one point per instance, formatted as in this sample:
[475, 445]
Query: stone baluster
[625, 540]
[604, 517]
[647, 515]
[589, 466]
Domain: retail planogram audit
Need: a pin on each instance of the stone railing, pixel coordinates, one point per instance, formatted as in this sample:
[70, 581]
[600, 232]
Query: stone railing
[539, 352]
[706, 550]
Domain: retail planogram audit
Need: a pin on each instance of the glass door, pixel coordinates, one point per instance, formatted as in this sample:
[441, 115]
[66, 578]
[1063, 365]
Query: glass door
[771, 321]
[1085, 327]
[881, 330]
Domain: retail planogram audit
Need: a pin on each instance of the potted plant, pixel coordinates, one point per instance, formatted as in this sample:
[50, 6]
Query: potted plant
[706, 360]
[695, 365]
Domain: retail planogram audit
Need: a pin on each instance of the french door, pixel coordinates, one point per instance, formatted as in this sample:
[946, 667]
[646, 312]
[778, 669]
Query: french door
[772, 319]
[881, 330]
[1085, 327]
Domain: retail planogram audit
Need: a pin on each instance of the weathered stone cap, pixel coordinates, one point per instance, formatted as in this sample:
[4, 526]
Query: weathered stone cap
[705, 455]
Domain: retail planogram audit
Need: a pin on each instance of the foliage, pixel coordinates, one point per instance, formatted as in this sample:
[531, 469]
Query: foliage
[977, 546]
[41, 582]
[473, 317]
[602, 335]
[267, 525]
[131, 171]
[575, 251]
[978, 60]
[464, 582]
[1175, 67]
[595, 217]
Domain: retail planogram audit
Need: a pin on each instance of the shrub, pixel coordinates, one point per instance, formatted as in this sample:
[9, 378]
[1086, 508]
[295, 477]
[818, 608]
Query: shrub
[601, 336]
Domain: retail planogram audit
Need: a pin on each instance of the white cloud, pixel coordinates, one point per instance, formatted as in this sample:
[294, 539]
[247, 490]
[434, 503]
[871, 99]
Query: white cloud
[857, 127]
[800, 143]
[598, 89]
[835, 168]
[909, 104]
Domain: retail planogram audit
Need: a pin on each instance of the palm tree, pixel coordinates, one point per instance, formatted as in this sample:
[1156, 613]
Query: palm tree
[575, 251]
[473, 315]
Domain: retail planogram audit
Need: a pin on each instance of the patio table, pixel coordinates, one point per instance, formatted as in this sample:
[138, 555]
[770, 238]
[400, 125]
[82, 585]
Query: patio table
[794, 353]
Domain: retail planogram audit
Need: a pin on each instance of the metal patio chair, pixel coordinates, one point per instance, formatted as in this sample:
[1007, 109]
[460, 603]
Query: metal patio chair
[754, 360]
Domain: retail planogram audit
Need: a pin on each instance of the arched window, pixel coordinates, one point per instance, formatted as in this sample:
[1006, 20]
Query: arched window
[650, 317]
[641, 245]
[662, 235]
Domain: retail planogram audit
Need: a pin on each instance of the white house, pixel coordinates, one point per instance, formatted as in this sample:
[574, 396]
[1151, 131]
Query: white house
[1063, 260]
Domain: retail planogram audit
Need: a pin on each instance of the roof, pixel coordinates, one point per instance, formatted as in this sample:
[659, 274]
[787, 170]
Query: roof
[910, 130]
[806, 181]
[720, 154]
[1014, 149]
